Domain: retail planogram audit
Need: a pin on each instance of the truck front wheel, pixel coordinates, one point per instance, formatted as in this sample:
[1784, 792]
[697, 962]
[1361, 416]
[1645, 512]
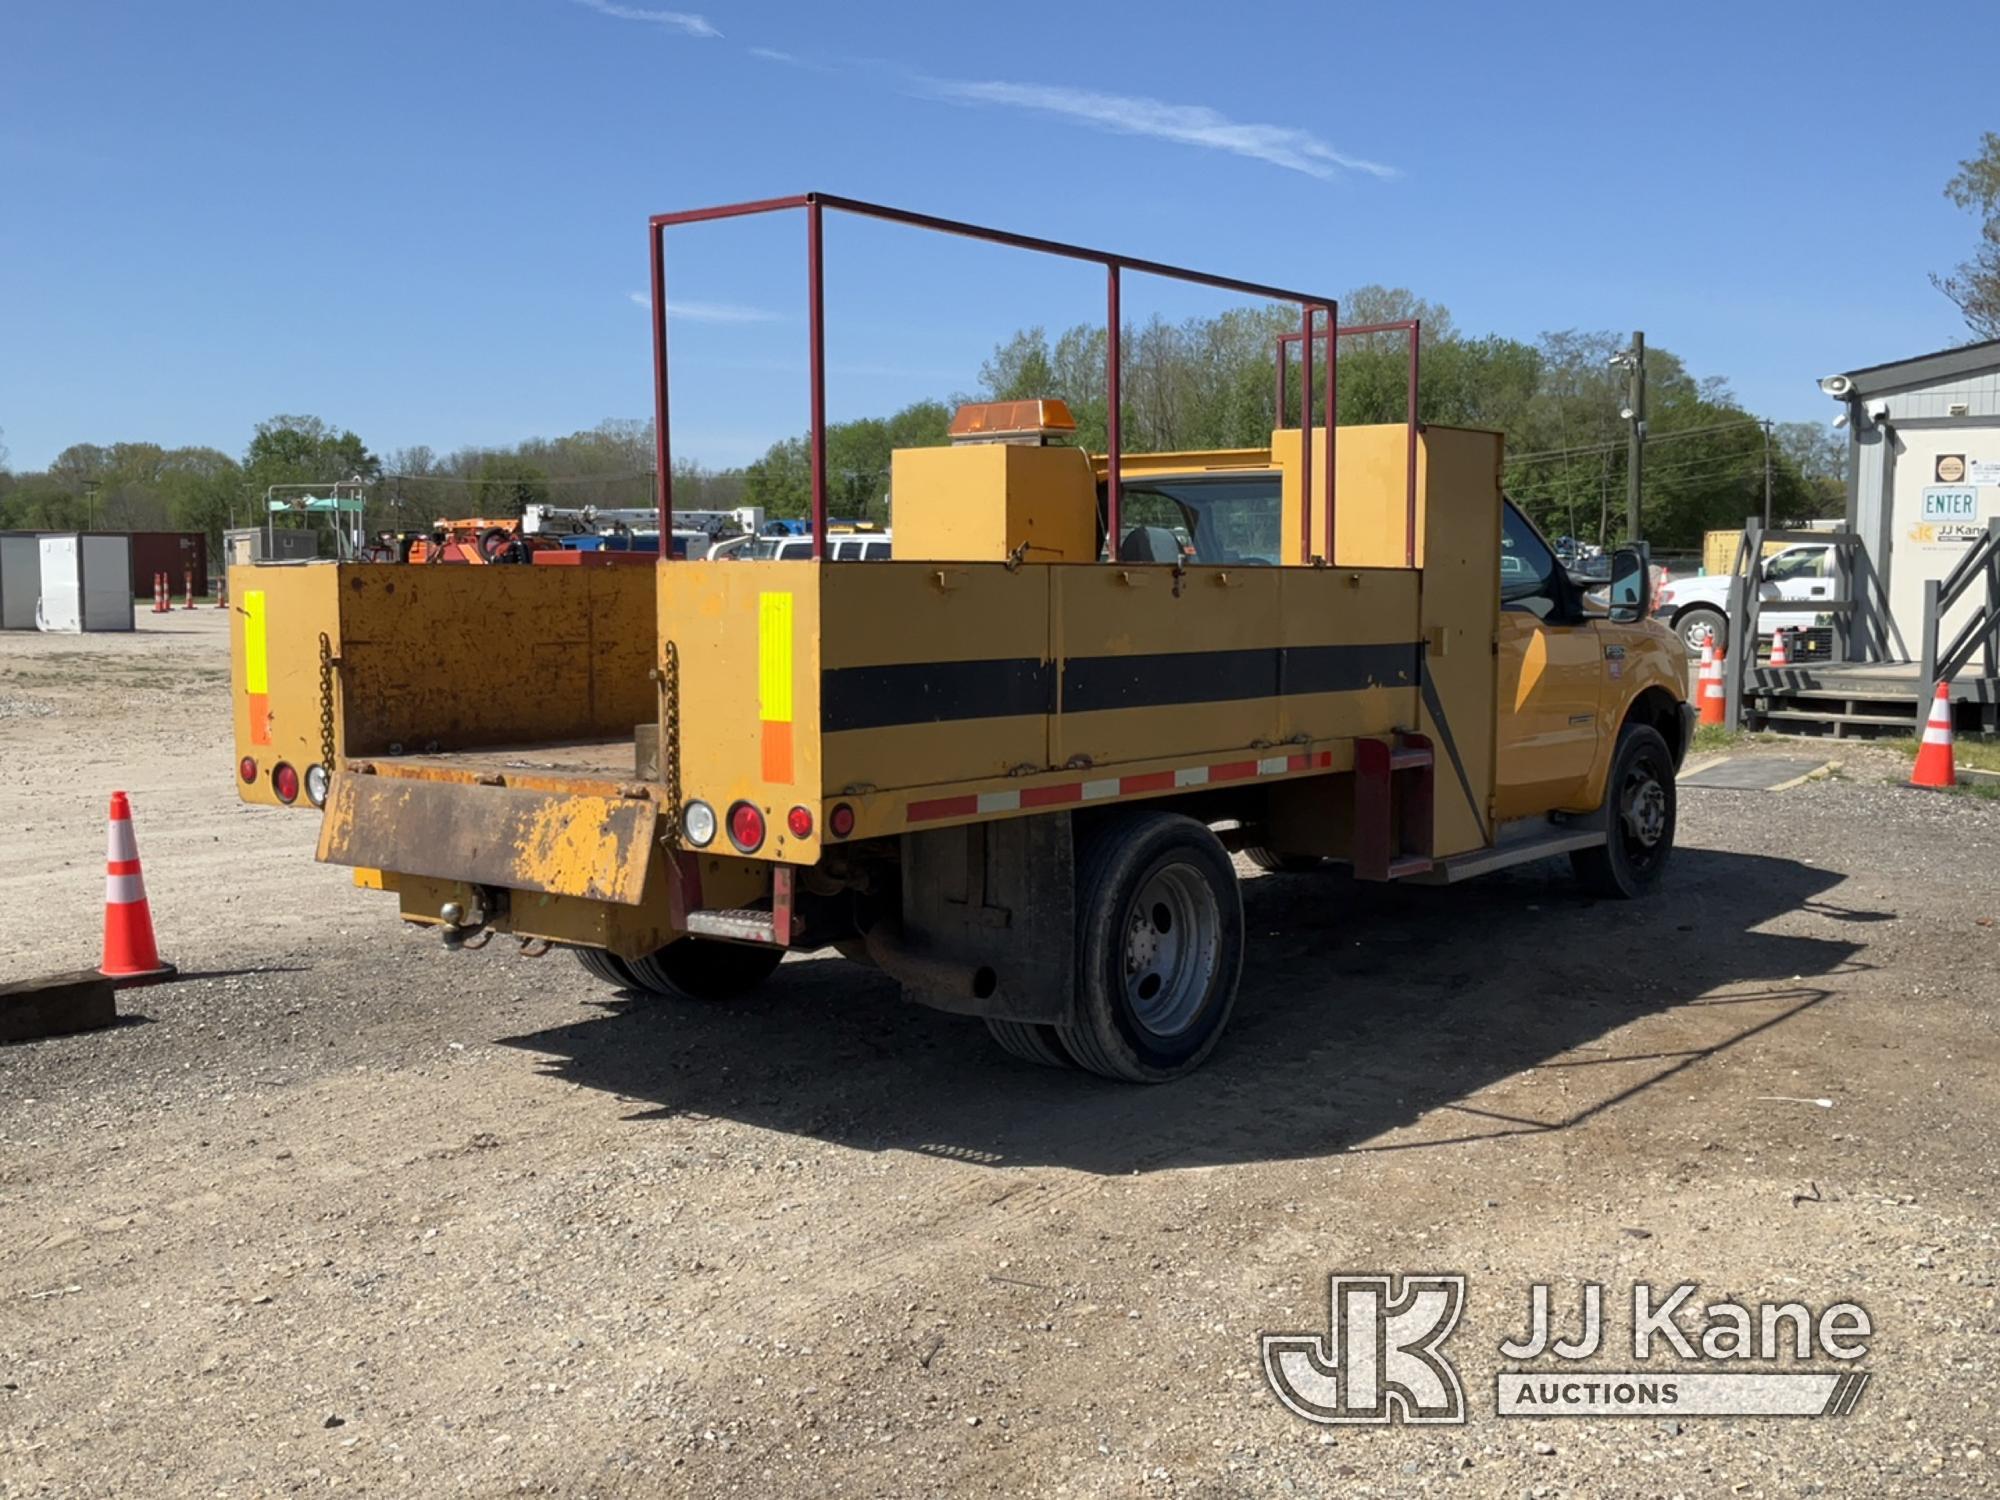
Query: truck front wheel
[1159, 947]
[698, 969]
[1640, 809]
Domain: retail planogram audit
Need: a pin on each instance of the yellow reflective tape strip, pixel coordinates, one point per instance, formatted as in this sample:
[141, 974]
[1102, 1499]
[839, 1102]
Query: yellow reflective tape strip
[774, 658]
[256, 646]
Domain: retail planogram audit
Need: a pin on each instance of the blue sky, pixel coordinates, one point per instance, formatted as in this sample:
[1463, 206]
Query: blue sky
[425, 220]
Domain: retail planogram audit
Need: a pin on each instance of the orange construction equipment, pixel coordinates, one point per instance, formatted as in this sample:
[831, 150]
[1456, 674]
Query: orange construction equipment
[1780, 657]
[1935, 767]
[1714, 701]
[130, 952]
[477, 539]
[161, 605]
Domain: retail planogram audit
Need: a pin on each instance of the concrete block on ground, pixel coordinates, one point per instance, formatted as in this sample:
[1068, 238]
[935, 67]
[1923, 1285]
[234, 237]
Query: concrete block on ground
[56, 1005]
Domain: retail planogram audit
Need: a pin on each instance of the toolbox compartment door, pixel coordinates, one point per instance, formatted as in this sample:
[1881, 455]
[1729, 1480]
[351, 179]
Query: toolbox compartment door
[563, 843]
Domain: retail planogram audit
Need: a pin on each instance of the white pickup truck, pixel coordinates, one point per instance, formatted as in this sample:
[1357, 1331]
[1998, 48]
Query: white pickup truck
[1693, 606]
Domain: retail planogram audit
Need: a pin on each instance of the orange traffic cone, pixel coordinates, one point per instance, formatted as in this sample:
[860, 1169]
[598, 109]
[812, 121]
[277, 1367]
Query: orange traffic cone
[130, 954]
[1934, 767]
[160, 605]
[1714, 699]
[1780, 657]
[222, 591]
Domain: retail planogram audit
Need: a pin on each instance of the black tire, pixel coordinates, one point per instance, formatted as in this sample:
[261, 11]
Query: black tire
[1041, 1045]
[1690, 623]
[492, 542]
[607, 966]
[1187, 942]
[1641, 805]
[698, 969]
[1281, 864]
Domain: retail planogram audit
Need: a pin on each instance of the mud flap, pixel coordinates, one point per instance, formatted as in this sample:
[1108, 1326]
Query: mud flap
[998, 895]
[566, 844]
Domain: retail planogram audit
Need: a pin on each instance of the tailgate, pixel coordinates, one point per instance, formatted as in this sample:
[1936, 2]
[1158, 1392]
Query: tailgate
[564, 843]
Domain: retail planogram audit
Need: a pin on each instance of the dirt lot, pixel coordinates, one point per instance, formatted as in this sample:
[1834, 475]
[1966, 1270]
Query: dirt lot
[342, 1210]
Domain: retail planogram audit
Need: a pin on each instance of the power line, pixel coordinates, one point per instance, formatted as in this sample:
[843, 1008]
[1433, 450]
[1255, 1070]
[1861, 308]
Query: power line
[1651, 437]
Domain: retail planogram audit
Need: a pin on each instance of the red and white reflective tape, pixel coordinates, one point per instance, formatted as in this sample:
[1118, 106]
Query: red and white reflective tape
[974, 804]
[123, 883]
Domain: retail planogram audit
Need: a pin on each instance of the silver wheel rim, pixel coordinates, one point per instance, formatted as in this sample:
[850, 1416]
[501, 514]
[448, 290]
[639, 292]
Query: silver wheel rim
[1173, 939]
[1644, 810]
[1692, 635]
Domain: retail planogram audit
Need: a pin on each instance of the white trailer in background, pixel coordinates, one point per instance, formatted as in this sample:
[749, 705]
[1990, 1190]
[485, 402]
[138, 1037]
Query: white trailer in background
[86, 583]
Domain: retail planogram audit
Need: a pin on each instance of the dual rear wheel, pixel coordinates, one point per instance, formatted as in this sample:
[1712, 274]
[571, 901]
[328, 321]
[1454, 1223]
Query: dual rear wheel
[1159, 953]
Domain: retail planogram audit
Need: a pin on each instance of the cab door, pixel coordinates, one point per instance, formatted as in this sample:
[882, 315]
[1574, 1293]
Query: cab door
[1551, 679]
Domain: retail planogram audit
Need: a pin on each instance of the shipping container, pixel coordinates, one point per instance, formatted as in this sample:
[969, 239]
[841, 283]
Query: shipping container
[20, 579]
[85, 582]
[172, 553]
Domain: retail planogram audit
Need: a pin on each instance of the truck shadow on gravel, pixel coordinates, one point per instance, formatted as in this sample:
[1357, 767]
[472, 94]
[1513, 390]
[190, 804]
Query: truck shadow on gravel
[1371, 1018]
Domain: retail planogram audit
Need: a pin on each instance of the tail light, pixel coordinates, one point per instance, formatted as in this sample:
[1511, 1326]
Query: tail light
[840, 822]
[285, 782]
[316, 784]
[746, 827]
[247, 769]
[698, 823]
[800, 821]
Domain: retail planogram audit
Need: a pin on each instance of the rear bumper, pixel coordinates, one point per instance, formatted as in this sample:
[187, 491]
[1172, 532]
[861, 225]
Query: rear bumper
[555, 843]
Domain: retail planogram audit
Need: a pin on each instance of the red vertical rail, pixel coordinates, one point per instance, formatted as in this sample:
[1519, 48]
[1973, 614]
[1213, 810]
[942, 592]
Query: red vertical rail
[1410, 501]
[1332, 413]
[1279, 419]
[816, 319]
[1113, 434]
[1306, 437]
[663, 478]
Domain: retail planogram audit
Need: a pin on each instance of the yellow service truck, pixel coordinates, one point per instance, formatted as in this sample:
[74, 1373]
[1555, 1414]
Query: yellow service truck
[1007, 767]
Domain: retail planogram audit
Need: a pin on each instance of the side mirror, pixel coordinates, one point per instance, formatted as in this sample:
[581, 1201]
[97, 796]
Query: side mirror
[1631, 593]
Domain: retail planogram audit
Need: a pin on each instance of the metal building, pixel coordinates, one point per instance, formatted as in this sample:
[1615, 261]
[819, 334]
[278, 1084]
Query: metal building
[1917, 602]
[1923, 476]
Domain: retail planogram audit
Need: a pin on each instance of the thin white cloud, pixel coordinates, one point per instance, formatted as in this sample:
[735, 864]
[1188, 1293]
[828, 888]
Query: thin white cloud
[707, 312]
[677, 20]
[772, 54]
[1187, 124]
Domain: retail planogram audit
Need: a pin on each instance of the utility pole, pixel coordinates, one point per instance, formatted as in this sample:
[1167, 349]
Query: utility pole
[1767, 473]
[1636, 398]
[1633, 362]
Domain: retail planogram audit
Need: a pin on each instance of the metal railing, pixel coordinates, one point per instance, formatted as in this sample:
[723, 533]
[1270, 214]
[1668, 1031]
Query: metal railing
[1746, 603]
[814, 207]
[1981, 630]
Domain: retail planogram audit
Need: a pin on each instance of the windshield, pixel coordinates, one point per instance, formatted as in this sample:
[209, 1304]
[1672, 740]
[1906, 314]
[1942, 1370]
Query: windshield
[1230, 518]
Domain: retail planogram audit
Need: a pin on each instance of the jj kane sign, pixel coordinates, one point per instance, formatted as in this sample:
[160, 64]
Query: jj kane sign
[1382, 1356]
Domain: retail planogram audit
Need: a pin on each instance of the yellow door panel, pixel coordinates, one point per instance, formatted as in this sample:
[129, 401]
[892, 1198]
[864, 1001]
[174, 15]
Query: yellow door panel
[1551, 678]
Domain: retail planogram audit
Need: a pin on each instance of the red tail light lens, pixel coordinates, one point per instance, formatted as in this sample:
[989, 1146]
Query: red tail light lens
[285, 782]
[746, 828]
[840, 822]
[247, 769]
[800, 821]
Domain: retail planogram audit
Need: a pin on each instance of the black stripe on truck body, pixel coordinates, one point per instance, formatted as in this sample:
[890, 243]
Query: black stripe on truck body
[944, 691]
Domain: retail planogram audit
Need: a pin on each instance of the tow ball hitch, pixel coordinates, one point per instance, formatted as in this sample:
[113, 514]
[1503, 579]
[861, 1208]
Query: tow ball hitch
[466, 923]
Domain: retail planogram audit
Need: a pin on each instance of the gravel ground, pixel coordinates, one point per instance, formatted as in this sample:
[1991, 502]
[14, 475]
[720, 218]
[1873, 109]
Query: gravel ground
[348, 1211]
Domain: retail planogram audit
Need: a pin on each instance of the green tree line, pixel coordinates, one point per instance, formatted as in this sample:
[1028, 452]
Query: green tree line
[1200, 383]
